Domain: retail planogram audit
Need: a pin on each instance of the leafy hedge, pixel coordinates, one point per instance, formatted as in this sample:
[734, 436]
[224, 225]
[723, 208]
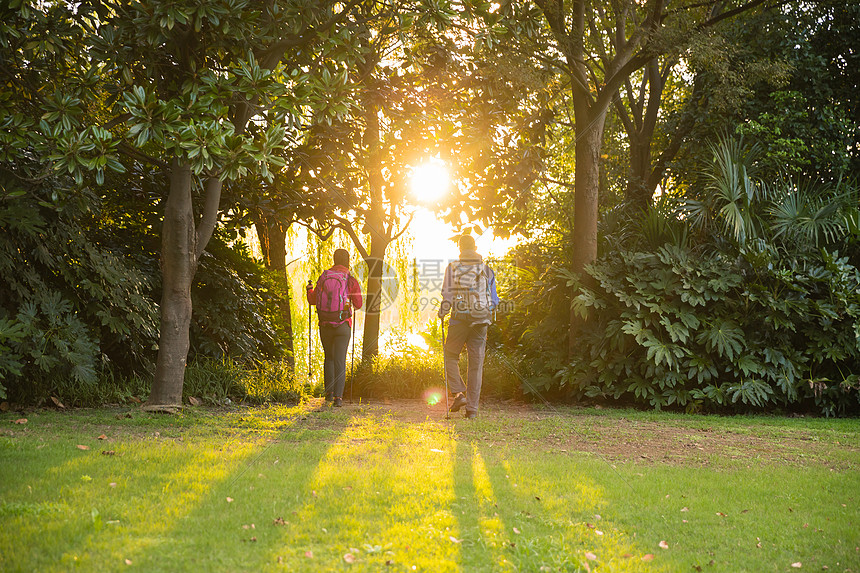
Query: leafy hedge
[672, 328]
[79, 292]
[69, 306]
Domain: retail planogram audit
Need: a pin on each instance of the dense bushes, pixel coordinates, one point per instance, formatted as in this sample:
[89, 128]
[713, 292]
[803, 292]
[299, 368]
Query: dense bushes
[736, 295]
[674, 328]
[69, 305]
[79, 292]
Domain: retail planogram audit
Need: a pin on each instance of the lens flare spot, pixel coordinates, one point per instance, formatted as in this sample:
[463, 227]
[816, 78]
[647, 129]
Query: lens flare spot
[433, 396]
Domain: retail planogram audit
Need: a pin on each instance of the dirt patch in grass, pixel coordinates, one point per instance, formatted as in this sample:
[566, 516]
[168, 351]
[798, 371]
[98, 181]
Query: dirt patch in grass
[625, 440]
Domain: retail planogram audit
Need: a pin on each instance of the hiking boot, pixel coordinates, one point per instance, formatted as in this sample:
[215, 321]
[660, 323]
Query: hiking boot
[471, 414]
[459, 402]
[338, 402]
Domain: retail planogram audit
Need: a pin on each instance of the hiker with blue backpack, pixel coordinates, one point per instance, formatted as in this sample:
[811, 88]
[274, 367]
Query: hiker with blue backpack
[336, 294]
[469, 294]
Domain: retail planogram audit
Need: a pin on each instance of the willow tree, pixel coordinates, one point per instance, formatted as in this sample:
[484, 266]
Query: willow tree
[199, 91]
[359, 166]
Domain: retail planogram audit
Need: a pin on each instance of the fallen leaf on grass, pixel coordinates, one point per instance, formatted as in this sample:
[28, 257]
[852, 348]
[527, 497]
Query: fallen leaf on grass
[598, 532]
[229, 500]
[721, 514]
[349, 558]
[517, 531]
[112, 484]
[279, 521]
[454, 539]
[590, 556]
[128, 561]
[309, 554]
[108, 453]
[20, 421]
[194, 401]
[102, 437]
[664, 545]
[589, 525]
[797, 565]
[80, 447]
[648, 557]
[685, 509]
[57, 402]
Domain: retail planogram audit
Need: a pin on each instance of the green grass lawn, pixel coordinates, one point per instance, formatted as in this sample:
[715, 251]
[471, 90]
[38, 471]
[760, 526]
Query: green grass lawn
[395, 488]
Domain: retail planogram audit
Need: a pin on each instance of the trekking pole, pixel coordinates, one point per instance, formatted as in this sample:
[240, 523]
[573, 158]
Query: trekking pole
[444, 373]
[352, 360]
[310, 339]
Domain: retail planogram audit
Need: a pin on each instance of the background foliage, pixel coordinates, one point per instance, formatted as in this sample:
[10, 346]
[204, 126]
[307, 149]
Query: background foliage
[738, 295]
[735, 289]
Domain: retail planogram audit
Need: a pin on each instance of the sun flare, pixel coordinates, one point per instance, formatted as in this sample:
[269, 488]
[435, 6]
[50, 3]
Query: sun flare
[430, 181]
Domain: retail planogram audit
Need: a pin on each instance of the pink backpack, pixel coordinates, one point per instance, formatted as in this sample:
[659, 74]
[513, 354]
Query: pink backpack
[332, 294]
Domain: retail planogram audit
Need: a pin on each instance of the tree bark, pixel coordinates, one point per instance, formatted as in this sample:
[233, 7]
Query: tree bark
[373, 312]
[379, 237]
[179, 264]
[589, 139]
[638, 192]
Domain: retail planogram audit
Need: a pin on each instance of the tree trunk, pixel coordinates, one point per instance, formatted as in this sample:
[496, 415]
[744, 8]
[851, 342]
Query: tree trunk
[273, 241]
[379, 236]
[639, 192]
[589, 140]
[370, 341]
[179, 264]
[181, 246]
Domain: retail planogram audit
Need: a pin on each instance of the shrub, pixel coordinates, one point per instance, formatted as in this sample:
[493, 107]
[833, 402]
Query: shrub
[410, 371]
[222, 381]
[672, 328]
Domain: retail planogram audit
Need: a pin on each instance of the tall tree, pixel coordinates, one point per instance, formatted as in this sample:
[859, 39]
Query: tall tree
[180, 86]
[359, 166]
[597, 49]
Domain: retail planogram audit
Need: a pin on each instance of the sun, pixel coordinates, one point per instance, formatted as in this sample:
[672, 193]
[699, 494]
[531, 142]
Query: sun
[430, 181]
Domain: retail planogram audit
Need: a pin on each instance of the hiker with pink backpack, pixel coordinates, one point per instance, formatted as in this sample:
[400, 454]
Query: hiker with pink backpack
[336, 295]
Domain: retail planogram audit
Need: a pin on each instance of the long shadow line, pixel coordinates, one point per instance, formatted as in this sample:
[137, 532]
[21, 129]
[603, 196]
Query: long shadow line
[255, 521]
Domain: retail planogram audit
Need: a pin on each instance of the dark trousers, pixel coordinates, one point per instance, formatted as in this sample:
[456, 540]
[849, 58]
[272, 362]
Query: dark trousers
[474, 338]
[335, 342]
